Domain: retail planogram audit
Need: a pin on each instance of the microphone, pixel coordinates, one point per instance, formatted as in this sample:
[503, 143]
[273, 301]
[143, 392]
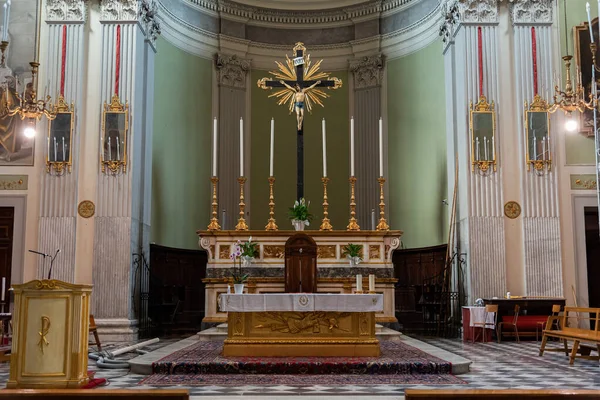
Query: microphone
[52, 263]
[41, 254]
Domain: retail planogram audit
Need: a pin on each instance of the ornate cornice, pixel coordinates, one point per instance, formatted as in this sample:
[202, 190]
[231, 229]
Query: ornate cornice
[232, 70]
[66, 10]
[531, 11]
[367, 71]
[149, 21]
[119, 10]
[451, 17]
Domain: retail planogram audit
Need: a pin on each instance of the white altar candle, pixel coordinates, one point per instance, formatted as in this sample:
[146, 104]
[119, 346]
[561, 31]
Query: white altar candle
[534, 146]
[371, 283]
[485, 148]
[3, 287]
[352, 146]
[63, 148]
[324, 149]
[4, 20]
[272, 146]
[241, 147]
[109, 150]
[373, 219]
[359, 283]
[55, 149]
[214, 165]
[587, 9]
[118, 150]
[7, 19]
[380, 147]
[477, 150]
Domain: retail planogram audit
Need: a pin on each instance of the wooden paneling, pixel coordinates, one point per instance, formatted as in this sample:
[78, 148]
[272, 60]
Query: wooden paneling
[7, 221]
[300, 264]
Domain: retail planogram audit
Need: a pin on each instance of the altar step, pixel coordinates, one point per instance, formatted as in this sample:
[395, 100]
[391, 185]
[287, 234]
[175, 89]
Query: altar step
[220, 333]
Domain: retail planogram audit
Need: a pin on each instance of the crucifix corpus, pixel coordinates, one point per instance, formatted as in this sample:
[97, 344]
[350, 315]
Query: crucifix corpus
[299, 83]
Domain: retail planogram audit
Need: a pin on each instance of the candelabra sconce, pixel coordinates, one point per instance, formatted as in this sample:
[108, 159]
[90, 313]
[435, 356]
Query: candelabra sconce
[241, 225]
[115, 126]
[59, 141]
[537, 131]
[482, 124]
[214, 221]
[29, 106]
[572, 98]
[352, 224]
[382, 225]
[325, 223]
[271, 225]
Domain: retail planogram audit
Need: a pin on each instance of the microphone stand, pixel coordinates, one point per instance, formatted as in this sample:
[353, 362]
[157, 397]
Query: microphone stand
[44, 261]
[52, 263]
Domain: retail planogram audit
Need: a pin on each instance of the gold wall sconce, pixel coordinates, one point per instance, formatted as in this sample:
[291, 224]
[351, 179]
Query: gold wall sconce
[482, 124]
[537, 135]
[60, 138]
[115, 126]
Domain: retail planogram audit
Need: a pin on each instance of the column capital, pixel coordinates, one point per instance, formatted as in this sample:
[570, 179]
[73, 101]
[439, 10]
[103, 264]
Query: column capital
[120, 10]
[61, 11]
[531, 11]
[367, 71]
[232, 70]
[472, 11]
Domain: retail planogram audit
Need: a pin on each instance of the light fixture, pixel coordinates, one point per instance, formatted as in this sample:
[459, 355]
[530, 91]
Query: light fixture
[571, 124]
[30, 107]
[29, 130]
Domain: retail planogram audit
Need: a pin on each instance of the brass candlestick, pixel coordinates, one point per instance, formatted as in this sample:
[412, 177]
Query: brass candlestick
[352, 225]
[214, 221]
[271, 225]
[241, 225]
[382, 225]
[325, 224]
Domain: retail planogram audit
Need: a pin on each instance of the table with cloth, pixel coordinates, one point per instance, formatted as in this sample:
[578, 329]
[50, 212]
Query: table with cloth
[301, 324]
[474, 315]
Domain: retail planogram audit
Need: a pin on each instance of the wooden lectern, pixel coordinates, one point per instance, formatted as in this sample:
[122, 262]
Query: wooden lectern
[300, 264]
[50, 335]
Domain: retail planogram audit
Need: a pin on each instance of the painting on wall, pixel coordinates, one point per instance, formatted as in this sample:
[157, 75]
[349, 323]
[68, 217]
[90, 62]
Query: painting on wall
[583, 61]
[15, 80]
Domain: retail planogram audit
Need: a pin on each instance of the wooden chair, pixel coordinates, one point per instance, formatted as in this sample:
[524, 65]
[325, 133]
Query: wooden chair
[489, 308]
[94, 331]
[542, 325]
[513, 324]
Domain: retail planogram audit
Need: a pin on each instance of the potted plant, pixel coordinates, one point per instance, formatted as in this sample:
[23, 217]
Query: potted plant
[352, 252]
[299, 214]
[239, 278]
[249, 250]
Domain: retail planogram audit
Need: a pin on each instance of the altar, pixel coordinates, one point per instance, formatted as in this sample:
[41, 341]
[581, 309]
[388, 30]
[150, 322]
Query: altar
[301, 324]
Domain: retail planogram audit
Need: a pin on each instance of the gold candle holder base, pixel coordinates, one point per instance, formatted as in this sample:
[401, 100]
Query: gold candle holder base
[271, 225]
[372, 292]
[353, 224]
[214, 221]
[359, 292]
[382, 225]
[326, 223]
[241, 225]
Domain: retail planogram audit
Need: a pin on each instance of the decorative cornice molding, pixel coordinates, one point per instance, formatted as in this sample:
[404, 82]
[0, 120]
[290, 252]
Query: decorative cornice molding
[451, 16]
[119, 10]
[66, 11]
[232, 70]
[367, 71]
[149, 21]
[531, 11]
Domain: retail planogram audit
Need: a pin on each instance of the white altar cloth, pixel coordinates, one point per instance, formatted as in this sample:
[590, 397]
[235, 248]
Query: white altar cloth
[302, 302]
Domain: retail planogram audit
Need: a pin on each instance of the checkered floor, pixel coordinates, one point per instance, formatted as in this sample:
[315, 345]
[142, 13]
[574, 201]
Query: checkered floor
[495, 366]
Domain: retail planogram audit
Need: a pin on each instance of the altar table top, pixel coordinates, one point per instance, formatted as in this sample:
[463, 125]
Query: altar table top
[302, 302]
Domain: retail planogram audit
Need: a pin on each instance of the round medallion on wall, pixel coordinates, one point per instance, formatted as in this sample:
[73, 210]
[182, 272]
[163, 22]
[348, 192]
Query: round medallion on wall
[86, 209]
[512, 209]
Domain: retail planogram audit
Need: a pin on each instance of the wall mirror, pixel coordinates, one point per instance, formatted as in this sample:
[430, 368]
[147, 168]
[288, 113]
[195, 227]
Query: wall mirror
[482, 124]
[115, 125]
[537, 131]
[60, 138]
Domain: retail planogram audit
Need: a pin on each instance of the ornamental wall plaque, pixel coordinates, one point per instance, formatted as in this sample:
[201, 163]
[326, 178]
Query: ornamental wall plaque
[512, 209]
[86, 209]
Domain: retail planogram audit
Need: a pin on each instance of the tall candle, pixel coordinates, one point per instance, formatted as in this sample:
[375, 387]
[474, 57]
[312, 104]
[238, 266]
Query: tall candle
[63, 148]
[109, 150]
[55, 149]
[587, 9]
[534, 146]
[241, 147]
[493, 148]
[485, 148]
[371, 283]
[324, 149]
[352, 146]
[373, 219]
[359, 283]
[7, 18]
[272, 146]
[477, 150]
[3, 287]
[543, 148]
[380, 147]
[214, 165]
[4, 21]
[118, 150]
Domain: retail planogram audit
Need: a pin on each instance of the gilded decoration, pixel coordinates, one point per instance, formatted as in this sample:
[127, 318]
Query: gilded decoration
[374, 252]
[482, 123]
[43, 333]
[297, 323]
[363, 324]
[327, 251]
[224, 251]
[86, 209]
[13, 182]
[585, 184]
[537, 130]
[270, 251]
[115, 126]
[238, 324]
[60, 160]
[512, 209]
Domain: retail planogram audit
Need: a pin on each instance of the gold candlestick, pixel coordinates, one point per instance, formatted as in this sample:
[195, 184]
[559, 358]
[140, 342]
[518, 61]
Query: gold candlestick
[241, 225]
[352, 225]
[271, 226]
[325, 224]
[382, 225]
[214, 221]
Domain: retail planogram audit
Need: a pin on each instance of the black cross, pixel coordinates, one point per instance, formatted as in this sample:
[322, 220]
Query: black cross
[300, 138]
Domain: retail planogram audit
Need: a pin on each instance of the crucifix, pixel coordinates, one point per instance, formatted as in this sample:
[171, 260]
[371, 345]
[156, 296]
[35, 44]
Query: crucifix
[300, 85]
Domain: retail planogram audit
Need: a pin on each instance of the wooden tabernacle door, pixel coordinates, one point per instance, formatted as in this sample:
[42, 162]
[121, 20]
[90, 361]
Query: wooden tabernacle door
[300, 264]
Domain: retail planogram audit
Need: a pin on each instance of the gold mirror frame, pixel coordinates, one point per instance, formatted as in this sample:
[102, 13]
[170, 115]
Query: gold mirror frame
[482, 107]
[538, 105]
[115, 107]
[60, 167]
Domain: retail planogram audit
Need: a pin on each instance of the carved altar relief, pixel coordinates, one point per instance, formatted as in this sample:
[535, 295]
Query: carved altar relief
[368, 71]
[232, 71]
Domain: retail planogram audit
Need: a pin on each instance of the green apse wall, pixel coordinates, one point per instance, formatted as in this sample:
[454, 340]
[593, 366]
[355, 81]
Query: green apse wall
[417, 147]
[579, 149]
[180, 147]
[336, 115]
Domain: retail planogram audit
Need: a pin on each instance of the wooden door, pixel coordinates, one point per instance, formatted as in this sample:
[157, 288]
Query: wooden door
[592, 242]
[300, 264]
[7, 221]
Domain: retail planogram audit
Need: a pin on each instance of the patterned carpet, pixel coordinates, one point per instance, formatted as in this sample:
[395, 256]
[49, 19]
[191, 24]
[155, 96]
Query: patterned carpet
[396, 358]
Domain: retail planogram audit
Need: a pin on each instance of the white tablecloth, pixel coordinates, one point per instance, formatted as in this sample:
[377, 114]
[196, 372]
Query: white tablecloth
[302, 302]
[477, 315]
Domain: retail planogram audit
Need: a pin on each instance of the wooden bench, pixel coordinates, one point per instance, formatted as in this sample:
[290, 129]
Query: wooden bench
[569, 329]
[501, 394]
[76, 394]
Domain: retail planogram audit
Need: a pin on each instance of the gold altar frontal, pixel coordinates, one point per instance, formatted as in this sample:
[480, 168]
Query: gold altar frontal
[297, 334]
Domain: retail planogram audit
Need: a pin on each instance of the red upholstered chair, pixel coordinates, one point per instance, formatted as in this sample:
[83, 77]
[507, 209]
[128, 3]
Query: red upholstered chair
[513, 324]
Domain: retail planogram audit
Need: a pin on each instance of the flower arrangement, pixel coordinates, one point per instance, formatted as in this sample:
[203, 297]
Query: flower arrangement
[300, 212]
[244, 252]
[352, 252]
